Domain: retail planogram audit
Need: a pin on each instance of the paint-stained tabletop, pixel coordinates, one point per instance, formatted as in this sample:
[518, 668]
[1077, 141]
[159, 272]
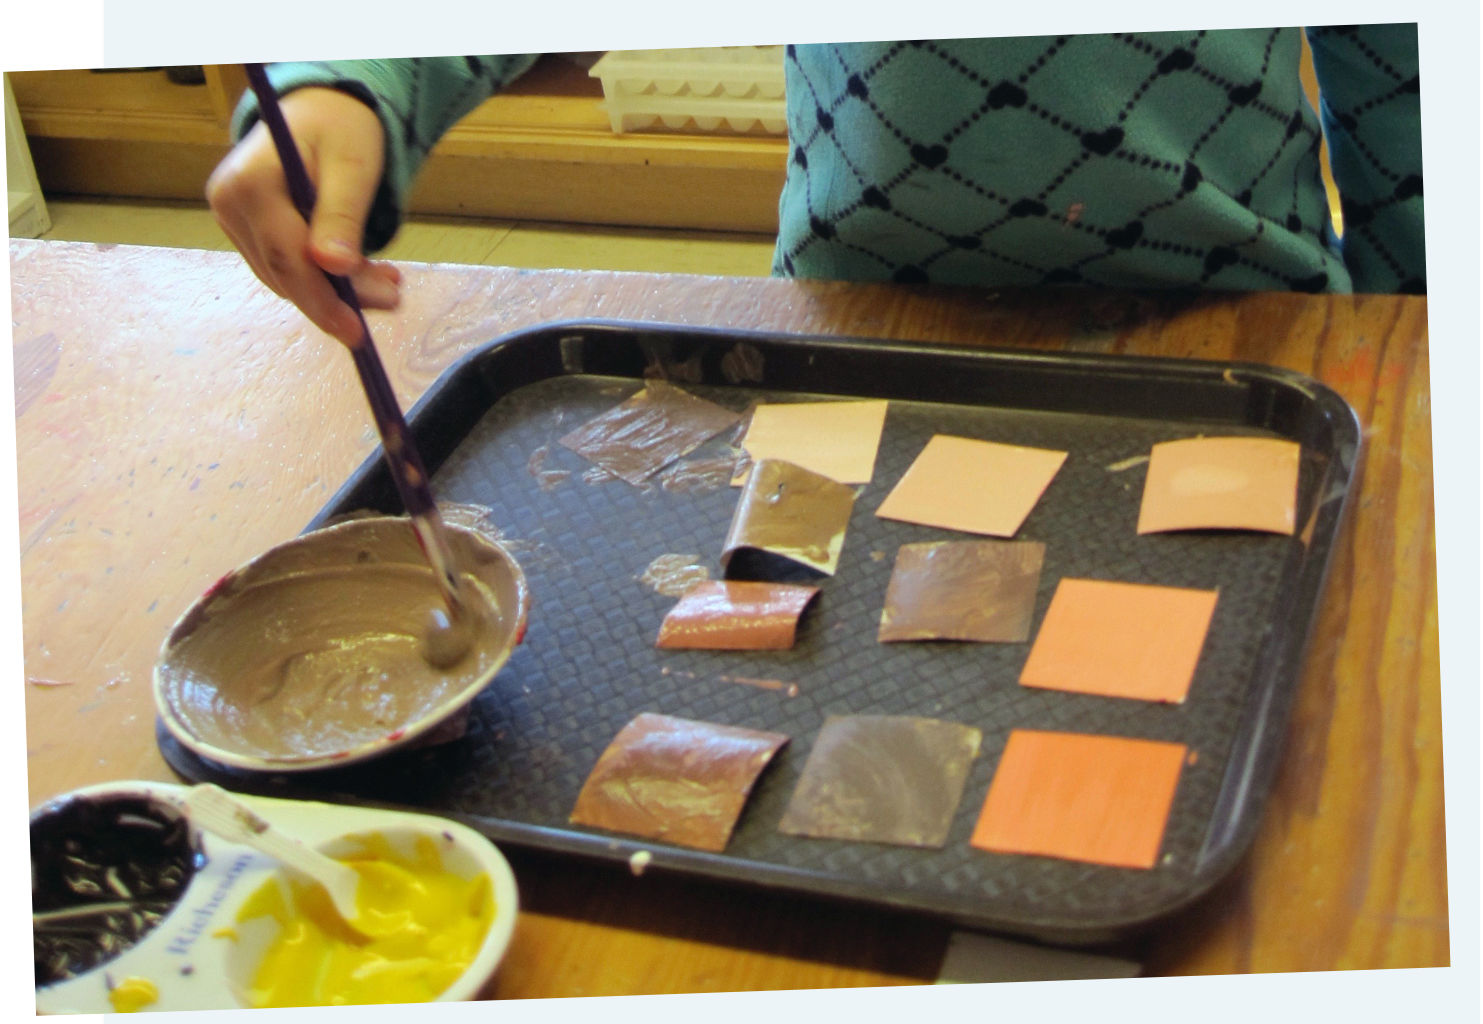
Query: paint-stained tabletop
[174, 418]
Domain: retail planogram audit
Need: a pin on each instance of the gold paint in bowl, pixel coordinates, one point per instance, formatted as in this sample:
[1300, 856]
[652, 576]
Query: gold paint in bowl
[311, 654]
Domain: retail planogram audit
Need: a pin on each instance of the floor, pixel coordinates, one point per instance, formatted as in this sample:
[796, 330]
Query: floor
[440, 240]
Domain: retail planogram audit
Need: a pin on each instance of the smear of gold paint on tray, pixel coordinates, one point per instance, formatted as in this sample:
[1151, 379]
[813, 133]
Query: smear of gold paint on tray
[654, 427]
[1231, 483]
[782, 686]
[883, 779]
[736, 615]
[835, 439]
[791, 512]
[536, 466]
[675, 780]
[697, 476]
[1120, 640]
[1096, 799]
[959, 483]
[479, 518]
[972, 590]
[672, 574]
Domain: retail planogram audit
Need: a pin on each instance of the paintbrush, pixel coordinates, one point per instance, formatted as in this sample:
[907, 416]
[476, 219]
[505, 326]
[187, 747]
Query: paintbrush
[449, 638]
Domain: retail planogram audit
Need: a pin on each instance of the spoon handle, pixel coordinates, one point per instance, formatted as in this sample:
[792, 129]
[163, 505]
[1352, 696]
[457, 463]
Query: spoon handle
[218, 812]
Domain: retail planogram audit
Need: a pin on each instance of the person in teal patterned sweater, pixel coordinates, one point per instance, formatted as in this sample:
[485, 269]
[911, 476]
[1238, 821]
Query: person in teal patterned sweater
[1129, 160]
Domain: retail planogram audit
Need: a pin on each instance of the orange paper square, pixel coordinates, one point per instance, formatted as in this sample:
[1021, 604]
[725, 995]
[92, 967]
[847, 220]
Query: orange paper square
[958, 483]
[1098, 799]
[834, 439]
[1120, 640]
[1214, 483]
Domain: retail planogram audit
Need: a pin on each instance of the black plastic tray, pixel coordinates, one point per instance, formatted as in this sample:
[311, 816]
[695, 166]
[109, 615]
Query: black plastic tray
[588, 663]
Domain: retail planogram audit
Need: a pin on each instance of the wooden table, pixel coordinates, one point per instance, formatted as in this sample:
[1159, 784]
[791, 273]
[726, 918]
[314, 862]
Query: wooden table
[175, 418]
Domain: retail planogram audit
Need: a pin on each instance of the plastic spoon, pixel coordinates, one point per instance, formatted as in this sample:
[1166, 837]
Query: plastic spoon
[218, 812]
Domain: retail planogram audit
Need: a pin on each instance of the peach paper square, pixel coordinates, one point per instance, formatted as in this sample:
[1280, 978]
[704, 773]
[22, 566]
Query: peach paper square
[984, 487]
[1120, 640]
[1097, 799]
[1214, 483]
[834, 439]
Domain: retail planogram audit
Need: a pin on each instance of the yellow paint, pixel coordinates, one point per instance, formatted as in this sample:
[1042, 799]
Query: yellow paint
[420, 926]
[225, 933]
[133, 994]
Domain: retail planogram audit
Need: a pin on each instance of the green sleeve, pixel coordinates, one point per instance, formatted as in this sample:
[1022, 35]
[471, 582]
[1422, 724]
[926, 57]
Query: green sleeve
[417, 100]
[1370, 103]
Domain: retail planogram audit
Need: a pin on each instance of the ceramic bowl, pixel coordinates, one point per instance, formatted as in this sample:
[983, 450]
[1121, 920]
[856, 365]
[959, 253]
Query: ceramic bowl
[309, 655]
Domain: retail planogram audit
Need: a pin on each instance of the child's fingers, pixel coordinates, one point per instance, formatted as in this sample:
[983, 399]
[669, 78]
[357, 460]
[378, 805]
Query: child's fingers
[376, 286]
[341, 140]
[278, 254]
[348, 166]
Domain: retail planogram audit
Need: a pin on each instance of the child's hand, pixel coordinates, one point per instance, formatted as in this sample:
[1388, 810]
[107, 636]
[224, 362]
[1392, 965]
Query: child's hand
[343, 148]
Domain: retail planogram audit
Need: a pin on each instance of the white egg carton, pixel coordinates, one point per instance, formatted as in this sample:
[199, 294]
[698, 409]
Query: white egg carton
[200, 957]
[736, 89]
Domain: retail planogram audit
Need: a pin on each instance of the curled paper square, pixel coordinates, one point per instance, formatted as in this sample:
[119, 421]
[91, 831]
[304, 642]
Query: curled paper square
[675, 780]
[834, 439]
[736, 615]
[791, 512]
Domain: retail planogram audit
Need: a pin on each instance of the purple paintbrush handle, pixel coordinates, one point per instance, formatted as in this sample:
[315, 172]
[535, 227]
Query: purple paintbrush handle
[406, 464]
[300, 188]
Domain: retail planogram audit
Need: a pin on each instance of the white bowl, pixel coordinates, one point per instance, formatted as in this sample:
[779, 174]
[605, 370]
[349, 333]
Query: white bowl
[198, 956]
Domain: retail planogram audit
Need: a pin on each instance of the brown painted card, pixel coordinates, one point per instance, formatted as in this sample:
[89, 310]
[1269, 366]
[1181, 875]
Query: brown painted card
[883, 779]
[973, 590]
[675, 780]
[791, 512]
[736, 615]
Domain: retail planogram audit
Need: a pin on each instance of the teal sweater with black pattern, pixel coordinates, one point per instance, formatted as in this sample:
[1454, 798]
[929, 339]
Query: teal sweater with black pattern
[1134, 160]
